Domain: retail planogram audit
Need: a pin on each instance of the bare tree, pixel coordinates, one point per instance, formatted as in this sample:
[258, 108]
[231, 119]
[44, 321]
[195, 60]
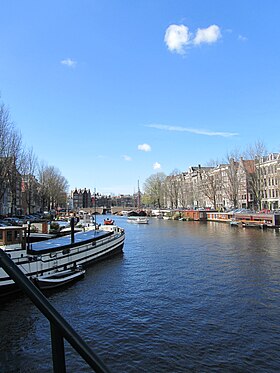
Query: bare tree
[209, 183]
[53, 187]
[256, 152]
[183, 190]
[233, 177]
[154, 189]
[173, 183]
[30, 186]
[10, 156]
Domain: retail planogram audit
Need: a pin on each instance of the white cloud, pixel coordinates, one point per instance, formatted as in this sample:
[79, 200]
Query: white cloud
[69, 62]
[156, 166]
[127, 158]
[192, 130]
[207, 35]
[144, 147]
[177, 37]
[242, 38]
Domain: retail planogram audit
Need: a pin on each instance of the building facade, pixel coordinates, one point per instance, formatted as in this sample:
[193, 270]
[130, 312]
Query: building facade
[249, 184]
[81, 198]
[269, 173]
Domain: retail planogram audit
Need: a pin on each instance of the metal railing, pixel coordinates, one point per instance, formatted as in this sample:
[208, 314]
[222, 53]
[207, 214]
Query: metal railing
[59, 327]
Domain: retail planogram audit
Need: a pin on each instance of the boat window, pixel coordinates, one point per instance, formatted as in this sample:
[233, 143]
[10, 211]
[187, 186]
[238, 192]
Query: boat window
[9, 236]
[1, 235]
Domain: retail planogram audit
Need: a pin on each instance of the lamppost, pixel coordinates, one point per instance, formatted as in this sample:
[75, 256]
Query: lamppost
[28, 234]
[95, 208]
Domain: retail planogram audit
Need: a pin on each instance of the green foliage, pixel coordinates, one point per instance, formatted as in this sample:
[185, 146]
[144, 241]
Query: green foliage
[54, 227]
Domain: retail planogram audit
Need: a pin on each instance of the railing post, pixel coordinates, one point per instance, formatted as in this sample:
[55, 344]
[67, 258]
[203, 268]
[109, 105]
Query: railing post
[62, 327]
[58, 353]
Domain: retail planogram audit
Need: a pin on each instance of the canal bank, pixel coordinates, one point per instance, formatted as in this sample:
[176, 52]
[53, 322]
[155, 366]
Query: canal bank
[270, 220]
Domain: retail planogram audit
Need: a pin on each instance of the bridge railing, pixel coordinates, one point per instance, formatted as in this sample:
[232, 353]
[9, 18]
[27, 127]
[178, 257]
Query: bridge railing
[59, 327]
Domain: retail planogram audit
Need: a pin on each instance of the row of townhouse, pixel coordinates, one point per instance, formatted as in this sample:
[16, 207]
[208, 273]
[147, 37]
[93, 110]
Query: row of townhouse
[251, 184]
[80, 198]
[270, 177]
[21, 197]
[83, 198]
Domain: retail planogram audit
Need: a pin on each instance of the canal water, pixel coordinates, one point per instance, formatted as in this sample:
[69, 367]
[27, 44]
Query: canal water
[183, 297]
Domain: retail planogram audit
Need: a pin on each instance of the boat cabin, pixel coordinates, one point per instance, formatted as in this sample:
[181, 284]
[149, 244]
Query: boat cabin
[13, 236]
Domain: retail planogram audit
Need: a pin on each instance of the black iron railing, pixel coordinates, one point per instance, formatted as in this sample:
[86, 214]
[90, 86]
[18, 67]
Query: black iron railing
[60, 328]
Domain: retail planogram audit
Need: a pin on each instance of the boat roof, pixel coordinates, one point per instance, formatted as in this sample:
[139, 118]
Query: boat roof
[64, 242]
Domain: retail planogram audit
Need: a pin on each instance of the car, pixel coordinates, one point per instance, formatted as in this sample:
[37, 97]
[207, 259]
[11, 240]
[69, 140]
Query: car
[244, 211]
[5, 223]
[264, 211]
[30, 218]
[12, 221]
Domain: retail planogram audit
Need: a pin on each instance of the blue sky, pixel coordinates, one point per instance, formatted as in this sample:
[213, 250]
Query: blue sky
[110, 92]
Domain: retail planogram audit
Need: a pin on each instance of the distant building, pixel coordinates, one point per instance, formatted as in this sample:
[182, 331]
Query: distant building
[124, 201]
[269, 174]
[81, 198]
[250, 184]
[10, 187]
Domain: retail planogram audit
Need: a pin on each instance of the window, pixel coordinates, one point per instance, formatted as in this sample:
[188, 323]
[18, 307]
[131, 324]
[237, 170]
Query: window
[9, 236]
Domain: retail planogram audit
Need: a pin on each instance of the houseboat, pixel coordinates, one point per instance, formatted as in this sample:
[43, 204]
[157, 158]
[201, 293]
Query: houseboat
[57, 257]
[246, 219]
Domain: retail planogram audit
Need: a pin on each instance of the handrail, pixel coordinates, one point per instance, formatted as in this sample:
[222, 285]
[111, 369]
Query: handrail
[60, 328]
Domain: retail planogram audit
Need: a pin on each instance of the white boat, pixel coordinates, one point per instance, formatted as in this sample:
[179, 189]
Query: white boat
[138, 219]
[57, 254]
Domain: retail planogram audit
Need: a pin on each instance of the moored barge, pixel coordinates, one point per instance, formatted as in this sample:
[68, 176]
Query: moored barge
[41, 259]
[259, 220]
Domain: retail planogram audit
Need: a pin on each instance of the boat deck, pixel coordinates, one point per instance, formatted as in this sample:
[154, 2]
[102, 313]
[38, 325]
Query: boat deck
[64, 242]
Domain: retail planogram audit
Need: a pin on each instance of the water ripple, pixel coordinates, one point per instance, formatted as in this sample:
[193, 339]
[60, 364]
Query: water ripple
[184, 297]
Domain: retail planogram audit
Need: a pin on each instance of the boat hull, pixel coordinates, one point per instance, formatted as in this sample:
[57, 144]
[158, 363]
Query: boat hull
[58, 279]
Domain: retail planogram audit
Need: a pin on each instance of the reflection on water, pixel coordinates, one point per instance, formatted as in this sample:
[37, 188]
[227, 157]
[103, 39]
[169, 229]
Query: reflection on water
[184, 297]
